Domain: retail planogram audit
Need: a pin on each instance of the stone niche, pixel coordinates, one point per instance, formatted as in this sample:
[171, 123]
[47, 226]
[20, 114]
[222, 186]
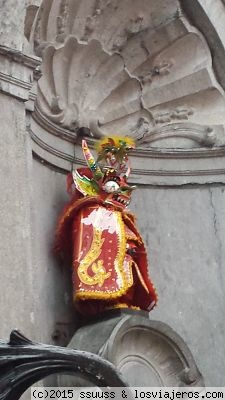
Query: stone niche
[150, 69]
[146, 352]
[136, 68]
[147, 69]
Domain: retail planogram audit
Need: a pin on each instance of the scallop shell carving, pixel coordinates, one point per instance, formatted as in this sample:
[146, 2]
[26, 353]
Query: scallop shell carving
[118, 67]
[83, 86]
[111, 22]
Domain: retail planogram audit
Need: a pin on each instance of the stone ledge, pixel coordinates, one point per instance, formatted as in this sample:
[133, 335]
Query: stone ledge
[16, 72]
[149, 167]
[132, 342]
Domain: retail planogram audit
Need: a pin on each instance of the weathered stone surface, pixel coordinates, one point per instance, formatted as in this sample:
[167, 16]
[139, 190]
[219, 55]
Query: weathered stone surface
[16, 299]
[183, 230]
[184, 227]
[12, 24]
[160, 87]
[110, 95]
[149, 167]
[53, 311]
[87, 20]
[134, 343]
[208, 17]
[136, 68]
[16, 73]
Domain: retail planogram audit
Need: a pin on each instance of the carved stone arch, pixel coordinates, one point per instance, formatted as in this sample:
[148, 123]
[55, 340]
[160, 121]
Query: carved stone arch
[134, 68]
[210, 21]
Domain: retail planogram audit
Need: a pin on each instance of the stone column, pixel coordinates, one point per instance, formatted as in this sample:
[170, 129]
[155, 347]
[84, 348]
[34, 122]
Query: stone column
[16, 70]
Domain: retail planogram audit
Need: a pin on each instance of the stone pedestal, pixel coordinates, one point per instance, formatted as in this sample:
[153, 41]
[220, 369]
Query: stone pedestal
[147, 353]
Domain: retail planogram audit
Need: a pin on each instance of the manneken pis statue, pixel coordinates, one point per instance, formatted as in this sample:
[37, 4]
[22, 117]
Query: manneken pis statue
[99, 235]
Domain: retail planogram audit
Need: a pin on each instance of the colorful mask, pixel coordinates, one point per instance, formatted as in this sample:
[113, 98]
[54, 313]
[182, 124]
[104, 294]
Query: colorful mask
[108, 181]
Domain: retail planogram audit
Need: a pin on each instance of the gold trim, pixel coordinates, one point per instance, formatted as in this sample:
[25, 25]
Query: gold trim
[118, 265]
[80, 232]
[122, 305]
[140, 277]
[75, 205]
[118, 305]
[100, 274]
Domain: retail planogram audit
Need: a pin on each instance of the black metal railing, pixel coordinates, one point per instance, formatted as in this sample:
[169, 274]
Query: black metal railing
[22, 363]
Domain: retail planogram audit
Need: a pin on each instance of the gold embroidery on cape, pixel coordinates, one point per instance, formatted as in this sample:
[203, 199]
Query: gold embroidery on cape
[100, 274]
[124, 284]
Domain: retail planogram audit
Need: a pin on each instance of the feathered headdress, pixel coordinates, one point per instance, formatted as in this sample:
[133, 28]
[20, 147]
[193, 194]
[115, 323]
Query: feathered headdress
[112, 159]
[113, 151]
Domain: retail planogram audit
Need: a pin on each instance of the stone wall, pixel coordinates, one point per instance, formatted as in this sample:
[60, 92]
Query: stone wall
[183, 229]
[182, 223]
[16, 302]
[53, 312]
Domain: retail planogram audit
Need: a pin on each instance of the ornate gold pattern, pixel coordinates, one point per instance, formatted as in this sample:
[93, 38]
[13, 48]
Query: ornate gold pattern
[123, 282]
[100, 274]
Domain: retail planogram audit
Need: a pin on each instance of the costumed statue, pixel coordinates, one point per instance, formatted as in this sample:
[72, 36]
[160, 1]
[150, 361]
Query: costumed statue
[99, 234]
